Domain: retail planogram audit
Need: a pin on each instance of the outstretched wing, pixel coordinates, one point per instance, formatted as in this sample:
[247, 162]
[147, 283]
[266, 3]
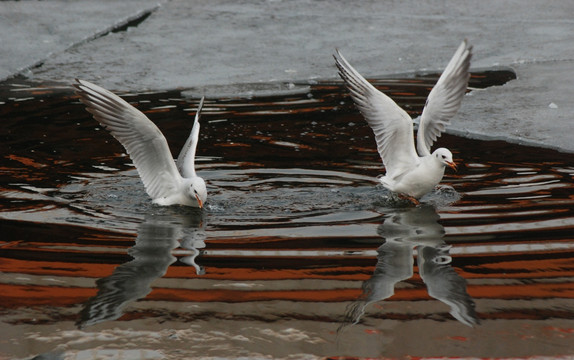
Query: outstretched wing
[392, 126]
[445, 98]
[141, 138]
[186, 159]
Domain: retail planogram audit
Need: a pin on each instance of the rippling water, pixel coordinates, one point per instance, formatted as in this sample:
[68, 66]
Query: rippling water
[298, 254]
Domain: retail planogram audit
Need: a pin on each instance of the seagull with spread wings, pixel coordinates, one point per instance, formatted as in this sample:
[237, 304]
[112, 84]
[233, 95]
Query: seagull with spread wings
[409, 174]
[166, 182]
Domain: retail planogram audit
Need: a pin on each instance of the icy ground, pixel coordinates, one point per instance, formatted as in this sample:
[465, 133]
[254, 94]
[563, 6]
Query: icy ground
[215, 45]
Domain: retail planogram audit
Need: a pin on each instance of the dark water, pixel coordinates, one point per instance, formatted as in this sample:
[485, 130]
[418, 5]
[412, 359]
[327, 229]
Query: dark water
[298, 254]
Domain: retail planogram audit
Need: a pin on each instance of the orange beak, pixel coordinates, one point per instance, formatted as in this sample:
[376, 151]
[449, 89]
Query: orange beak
[452, 165]
[199, 202]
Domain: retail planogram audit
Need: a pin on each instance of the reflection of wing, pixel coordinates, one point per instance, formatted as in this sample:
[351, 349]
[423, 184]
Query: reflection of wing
[186, 159]
[157, 236]
[392, 126]
[444, 284]
[402, 231]
[143, 141]
[444, 99]
[131, 281]
[394, 264]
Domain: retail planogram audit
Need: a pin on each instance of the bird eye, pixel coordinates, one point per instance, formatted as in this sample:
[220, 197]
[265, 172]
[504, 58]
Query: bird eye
[444, 157]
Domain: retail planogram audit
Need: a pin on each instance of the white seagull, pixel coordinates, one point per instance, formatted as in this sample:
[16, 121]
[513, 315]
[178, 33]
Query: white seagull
[409, 174]
[165, 182]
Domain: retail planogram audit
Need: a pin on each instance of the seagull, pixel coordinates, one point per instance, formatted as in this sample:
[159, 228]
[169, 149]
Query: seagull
[409, 174]
[165, 182]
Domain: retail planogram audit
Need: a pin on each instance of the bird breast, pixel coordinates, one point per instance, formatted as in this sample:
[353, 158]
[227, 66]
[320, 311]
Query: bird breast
[421, 179]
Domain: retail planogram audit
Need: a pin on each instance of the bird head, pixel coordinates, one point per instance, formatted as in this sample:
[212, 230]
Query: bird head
[444, 156]
[198, 191]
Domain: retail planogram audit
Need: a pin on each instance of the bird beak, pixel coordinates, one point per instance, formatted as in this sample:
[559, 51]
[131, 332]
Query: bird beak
[199, 202]
[452, 165]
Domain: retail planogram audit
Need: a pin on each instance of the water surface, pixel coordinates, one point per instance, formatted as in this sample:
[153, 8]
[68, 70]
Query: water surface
[298, 253]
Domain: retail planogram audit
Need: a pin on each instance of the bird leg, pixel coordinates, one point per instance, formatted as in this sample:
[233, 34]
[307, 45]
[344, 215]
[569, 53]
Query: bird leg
[409, 198]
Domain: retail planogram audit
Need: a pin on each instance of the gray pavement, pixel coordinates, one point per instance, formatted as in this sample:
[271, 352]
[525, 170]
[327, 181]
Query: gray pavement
[217, 47]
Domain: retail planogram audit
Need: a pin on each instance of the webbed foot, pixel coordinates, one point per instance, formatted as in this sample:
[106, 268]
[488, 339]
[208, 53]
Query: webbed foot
[410, 198]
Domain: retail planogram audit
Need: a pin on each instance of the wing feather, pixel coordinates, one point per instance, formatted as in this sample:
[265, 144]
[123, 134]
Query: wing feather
[392, 126]
[141, 138]
[186, 159]
[444, 99]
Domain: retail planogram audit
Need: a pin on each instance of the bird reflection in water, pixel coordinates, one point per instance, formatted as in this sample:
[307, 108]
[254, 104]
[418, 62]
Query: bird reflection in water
[157, 237]
[408, 229]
